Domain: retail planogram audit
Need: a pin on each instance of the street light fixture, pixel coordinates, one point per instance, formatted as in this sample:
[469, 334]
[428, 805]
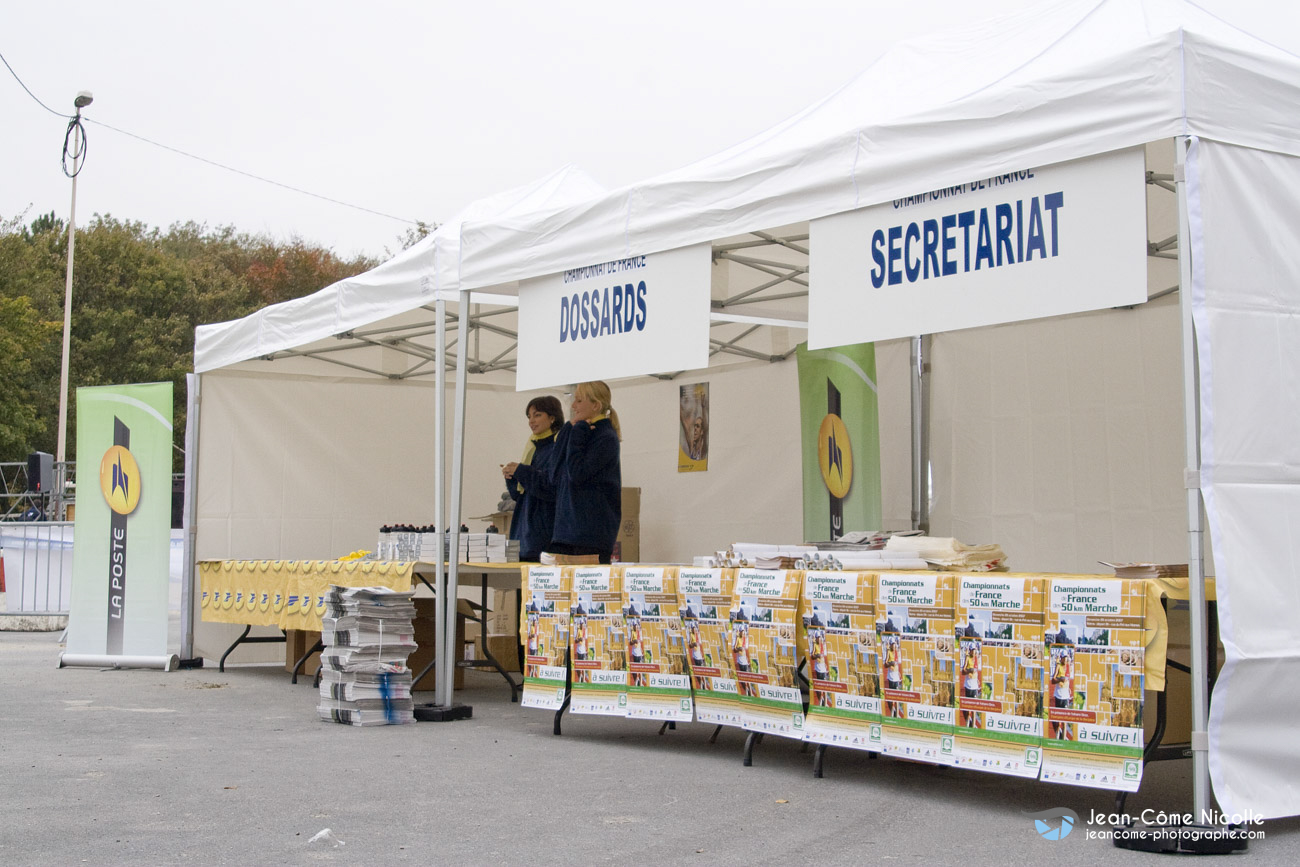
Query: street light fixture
[76, 137]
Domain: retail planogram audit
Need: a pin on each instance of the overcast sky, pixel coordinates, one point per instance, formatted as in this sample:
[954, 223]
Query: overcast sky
[410, 109]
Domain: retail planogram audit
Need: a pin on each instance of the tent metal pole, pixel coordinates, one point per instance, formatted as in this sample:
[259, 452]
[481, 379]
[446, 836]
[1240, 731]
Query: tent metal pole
[442, 684]
[920, 433]
[1195, 533]
[188, 517]
[457, 482]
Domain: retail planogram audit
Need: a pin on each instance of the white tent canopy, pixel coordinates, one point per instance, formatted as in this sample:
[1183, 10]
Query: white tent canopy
[1061, 82]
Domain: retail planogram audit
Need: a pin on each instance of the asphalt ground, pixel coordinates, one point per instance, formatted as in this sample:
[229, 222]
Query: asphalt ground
[200, 767]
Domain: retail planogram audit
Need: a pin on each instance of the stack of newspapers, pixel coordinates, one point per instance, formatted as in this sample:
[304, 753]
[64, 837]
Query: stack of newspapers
[368, 635]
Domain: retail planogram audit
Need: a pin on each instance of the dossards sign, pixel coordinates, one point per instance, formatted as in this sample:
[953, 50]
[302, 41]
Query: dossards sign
[625, 317]
[1034, 243]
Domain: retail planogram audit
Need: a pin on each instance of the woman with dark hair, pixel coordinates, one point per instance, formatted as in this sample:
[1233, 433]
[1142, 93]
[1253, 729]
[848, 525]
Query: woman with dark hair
[529, 482]
[587, 476]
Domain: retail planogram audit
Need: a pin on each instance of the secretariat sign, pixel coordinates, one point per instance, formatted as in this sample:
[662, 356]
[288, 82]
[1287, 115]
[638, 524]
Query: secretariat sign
[1040, 242]
[624, 317]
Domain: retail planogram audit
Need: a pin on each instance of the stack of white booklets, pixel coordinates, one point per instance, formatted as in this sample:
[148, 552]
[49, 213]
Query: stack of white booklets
[429, 544]
[368, 635]
[487, 548]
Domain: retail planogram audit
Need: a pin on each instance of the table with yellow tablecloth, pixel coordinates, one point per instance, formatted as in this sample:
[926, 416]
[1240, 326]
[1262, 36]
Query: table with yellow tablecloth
[289, 594]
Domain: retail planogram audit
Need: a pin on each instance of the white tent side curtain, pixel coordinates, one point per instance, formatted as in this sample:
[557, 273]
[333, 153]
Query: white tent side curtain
[1246, 297]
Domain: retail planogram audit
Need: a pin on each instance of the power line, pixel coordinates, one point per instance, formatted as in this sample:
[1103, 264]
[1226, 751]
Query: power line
[205, 160]
[250, 174]
[29, 93]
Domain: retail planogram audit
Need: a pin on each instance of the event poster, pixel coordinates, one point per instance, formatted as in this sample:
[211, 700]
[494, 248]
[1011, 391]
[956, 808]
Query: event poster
[598, 642]
[693, 433]
[658, 685]
[121, 568]
[915, 634]
[839, 632]
[1095, 652]
[765, 652]
[840, 435]
[704, 602]
[999, 634]
[546, 635]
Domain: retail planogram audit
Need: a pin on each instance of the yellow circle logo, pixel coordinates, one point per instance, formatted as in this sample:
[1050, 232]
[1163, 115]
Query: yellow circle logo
[835, 455]
[119, 479]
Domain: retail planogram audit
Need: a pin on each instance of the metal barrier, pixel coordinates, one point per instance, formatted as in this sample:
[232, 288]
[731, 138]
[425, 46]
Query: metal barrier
[37, 567]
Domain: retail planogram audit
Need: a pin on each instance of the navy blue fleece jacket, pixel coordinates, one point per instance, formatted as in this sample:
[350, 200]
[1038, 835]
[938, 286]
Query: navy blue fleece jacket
[588, 485]
[534, 516]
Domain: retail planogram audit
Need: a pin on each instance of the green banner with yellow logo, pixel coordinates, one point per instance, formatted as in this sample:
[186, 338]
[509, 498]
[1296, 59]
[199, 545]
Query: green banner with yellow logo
[122, 533]
[840, 419]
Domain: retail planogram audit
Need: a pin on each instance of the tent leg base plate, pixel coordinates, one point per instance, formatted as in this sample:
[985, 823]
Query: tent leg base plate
[450, 713]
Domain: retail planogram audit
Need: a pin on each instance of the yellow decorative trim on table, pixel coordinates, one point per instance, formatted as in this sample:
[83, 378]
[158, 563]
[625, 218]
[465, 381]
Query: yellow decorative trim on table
[289, 594]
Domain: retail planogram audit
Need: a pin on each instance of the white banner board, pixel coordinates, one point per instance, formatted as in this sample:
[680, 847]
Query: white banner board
[627, 317]
[1040, 242]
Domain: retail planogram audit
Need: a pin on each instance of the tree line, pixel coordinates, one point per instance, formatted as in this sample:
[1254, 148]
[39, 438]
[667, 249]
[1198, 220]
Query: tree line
[138, 293]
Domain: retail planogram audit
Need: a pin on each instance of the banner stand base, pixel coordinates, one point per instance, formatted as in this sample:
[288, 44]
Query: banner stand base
[196, 662]
[436, 713]
[1176, 838]
[101, 660]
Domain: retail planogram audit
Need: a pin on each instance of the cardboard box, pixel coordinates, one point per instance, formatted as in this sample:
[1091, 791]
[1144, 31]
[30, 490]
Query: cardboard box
[505, 648]
[627, 547]
[504, 617]
[296, 643]
[426, 637]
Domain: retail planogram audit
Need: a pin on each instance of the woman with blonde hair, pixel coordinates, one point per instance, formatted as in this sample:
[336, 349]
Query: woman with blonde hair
[587, 476]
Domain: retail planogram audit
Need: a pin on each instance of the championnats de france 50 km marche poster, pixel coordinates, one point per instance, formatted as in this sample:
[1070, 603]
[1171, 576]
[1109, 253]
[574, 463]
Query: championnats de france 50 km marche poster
[122, 538]
[658, 686]
[914, 612]
[1095, 657]
[839, 637]
[598, 642]
[999, 635]
[765, 651]
[545, 628]
[704, 601]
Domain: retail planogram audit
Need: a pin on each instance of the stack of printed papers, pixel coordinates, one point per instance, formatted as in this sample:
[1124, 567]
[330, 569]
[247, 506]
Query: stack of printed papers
[434, 547]
[368, 636]
[947, 554]
[486, 548]
[1147, 570]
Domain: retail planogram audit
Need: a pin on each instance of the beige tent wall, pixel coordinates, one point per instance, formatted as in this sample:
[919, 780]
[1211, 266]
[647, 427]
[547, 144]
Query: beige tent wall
[1062, 439]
